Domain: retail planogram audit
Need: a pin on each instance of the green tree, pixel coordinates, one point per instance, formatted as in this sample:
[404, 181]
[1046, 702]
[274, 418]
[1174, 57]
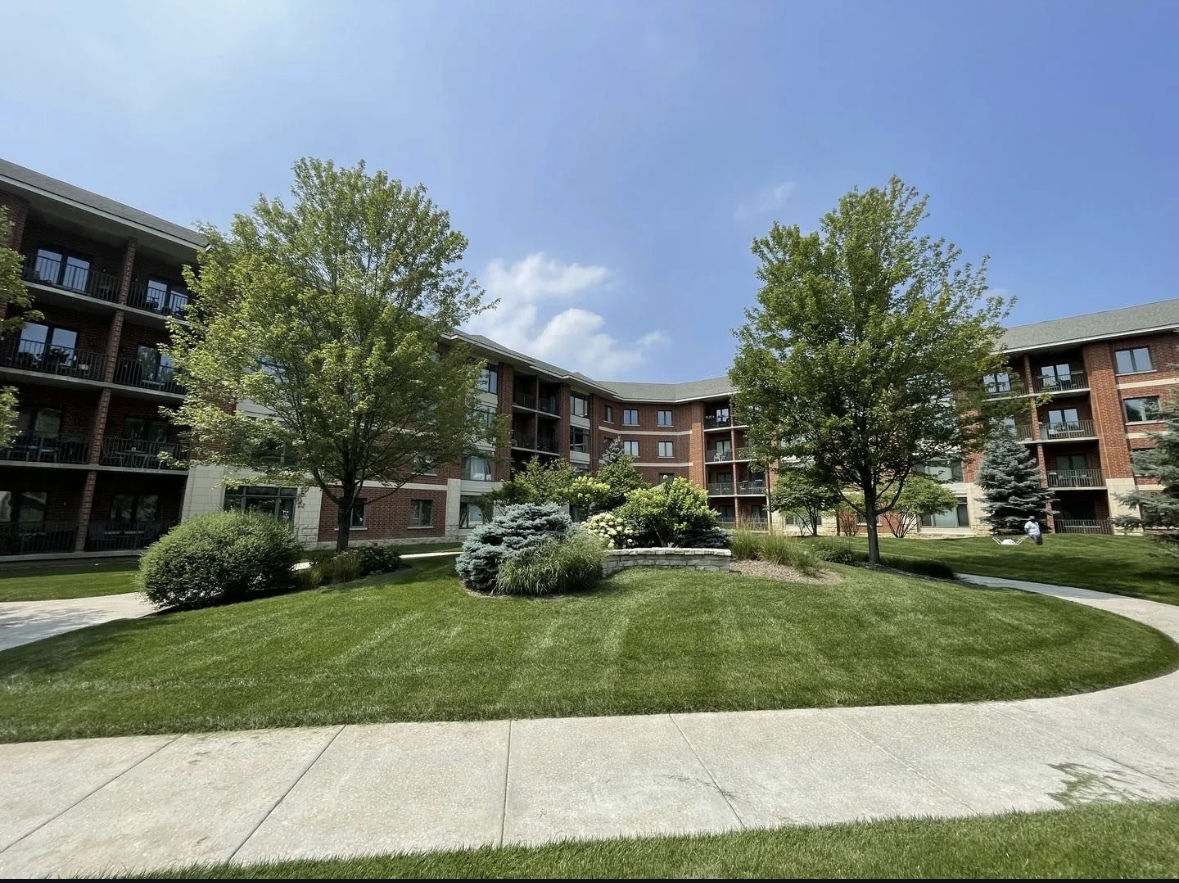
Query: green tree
[620, 477]
[921, 497]
[13, 294]
[1158, 510]
[536, 482]
[668, 511]
[335, 317]
[801, 494]
[1012, 485]
[867, 351]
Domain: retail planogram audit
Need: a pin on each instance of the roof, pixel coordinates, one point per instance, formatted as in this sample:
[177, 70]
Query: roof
[27, 179]
[1161, 315]
[670, 392]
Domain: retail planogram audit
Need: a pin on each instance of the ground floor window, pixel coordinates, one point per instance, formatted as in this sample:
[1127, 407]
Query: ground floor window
[421, 513]
[128, 508]
[23, 507]
[470, 515]
[277, 502]
[358, 514]
[959, 516]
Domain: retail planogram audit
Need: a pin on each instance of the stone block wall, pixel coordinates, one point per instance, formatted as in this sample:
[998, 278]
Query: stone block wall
[716, 560]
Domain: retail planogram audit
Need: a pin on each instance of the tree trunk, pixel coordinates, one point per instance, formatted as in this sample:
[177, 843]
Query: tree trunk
[344, 516]
[870, 517]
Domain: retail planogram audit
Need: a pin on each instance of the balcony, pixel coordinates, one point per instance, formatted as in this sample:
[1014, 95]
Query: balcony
[758, 486]
[138, 453]
[71, 277]
[1022, 432]
[1076, 478]
[744, 454]
[147, 375]
[544, 404]
[48, 449]
[1070, 429]
[1083, 525]
[721, 489]
[1002, 388]
[720, 455]
[110, 536]
[717, 421]
[31, 355]
[39, 537]
[548, 445]
[1073, 382]
[155, 298]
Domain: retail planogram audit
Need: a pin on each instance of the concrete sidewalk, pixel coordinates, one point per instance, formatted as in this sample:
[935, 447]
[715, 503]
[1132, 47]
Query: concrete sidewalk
[22, 622]
[114, 805]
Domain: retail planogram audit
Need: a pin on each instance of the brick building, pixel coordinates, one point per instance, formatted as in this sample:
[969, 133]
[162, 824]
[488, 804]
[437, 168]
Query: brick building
[96, 469]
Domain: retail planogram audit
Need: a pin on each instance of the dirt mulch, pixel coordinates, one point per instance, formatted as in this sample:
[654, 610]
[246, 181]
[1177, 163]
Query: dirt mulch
[782, 572]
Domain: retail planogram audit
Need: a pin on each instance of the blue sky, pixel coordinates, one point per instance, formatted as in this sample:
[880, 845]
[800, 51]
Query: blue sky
[610, 162]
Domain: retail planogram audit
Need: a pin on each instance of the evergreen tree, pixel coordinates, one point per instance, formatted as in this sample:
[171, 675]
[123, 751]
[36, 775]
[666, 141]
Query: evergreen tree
[1013, 487]
[1159, 510]
[612, 452]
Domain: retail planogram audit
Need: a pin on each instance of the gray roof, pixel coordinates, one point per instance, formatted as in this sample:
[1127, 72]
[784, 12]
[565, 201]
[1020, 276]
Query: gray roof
[669, 392]
[27, 179]
[1160, 315]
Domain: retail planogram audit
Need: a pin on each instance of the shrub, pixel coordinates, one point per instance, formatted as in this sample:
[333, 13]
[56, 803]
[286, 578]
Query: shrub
[838, 553]
[704, 538]
[378, 559]
[775, 549]
[668, 512]
[217, 558]
[610, 529]
[517, 528]
[570, 564]
[342, 568]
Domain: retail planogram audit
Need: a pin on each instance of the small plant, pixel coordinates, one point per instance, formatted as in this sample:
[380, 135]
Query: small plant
[837, 552]
[342, 567]
[378, 559]
[571, 564]
[610, 529]
[517, 528]
[217, 558]
[776, 549]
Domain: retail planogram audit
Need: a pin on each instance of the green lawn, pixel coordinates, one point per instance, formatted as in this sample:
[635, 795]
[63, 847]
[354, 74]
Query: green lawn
[1122, 565]
[1124, 840]
[415, 646]
[67, 581]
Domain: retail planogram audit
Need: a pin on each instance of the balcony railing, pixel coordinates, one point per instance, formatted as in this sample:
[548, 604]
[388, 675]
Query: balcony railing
[1083, 525]
[579, 447]
[133, 372]
[108, 536]
[721, 488]
[1068, 429]
[720, 455]
[1076, 478]
[153, 299]
[70, 277]
[751, 487]
[1060, 383]
[44, 536]
[48, 449]
[717, 421]
[743, 454]
[524, 400]
[138, 453]
[31, 355]
[546, 404]
[548, 445]
[1013, 385]
[1022, 432]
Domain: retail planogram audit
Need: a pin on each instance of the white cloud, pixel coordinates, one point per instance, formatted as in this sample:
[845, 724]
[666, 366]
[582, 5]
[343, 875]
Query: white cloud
[528, 319]
[766, 201]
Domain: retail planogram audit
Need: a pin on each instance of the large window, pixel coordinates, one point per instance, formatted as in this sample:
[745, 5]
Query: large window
[161, 297]
[477, 469]
[663, 418]
[630, 417]
[608, 414]
[665, 477]
[959, 516]
[997, 383]
[155, 367]
[421, 513]
[144, 429]
[470, 515]
[579, 439]
[721, 451]
[942, 470]
[23, 507]
[1141, 409]
[630, 447]
[579, 405]
[1056, 376]
[489, 379]
[1070, 462]
[39, 422]
[719, 417]
[56, 267]
[1134, 361]
[48, 342]
[278, 502]
[131, 508]
[1062, 420]
[666, 449]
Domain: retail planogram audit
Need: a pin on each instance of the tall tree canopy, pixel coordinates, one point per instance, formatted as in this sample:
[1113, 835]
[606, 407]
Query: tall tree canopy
[333, 317]
[13, 293]
[867, 351]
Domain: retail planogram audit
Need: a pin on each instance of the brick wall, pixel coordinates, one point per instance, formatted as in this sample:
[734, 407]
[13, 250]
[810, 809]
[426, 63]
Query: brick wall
[78, 408]
[387, 518]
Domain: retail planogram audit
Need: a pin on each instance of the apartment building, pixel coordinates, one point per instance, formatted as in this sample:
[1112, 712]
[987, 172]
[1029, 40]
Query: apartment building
[95, 469]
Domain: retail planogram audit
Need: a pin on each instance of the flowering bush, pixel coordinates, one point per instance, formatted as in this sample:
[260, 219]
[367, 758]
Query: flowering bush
[674, 513]
[610, 529]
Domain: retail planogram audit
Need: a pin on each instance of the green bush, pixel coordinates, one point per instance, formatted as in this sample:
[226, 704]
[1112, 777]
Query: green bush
[837, 552]
[517, 528]
[571, 564]
[378, 559]
[217, 558]
[611, 530]
[922, 567]
[703, 538]
[668, 513]
[776, 549]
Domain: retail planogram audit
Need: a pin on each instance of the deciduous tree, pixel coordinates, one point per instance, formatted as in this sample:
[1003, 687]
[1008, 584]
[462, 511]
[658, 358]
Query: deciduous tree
[13, 294]
[921, 497]
[801, 494]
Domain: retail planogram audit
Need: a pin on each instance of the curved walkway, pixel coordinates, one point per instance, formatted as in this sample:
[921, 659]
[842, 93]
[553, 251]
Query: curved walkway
[113, 805]
[22, 622]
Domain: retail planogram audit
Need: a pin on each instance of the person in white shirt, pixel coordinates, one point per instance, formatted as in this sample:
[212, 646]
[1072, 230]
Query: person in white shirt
[1032, 529]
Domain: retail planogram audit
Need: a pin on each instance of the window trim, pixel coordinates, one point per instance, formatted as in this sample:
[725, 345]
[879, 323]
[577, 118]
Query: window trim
[413, 515]
[626, 443]
[1157, 410]
[1135, 369]
[634, 411]
[670, 448]
[670, 424]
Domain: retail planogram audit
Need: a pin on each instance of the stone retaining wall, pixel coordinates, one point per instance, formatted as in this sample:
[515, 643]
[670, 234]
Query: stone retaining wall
[687, 559]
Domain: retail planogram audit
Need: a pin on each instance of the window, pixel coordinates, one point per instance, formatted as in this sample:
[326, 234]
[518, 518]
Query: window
[1056, 376]
[579, 439]
[630, 417]
[131, 508]
[359, 511]
[666, 449]
[162, 297]
[579, 405]
[665, 477]
[146, 430]
[997, 383]
[1134, 360]
[630, 447]
[277, 502]
[959, 516]
[423, 466]
[470, 515]
[1070, 462]
[609, 414]
[155, 367]
[723, 450]
[48, 342]
[485, 415]
[421, 513]
[663, 418]
[1141, 410]
[942, 470]
[489, 379]
[719, 417]
[477, 469]
[23, 507]
[57, 267]
[1062, 420]
[39, 422]
[724, 513]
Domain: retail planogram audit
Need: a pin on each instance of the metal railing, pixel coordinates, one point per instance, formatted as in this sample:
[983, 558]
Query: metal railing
[524, 400]
[721, 488]
[751, 487]
[1060, 383]
[1068, 429]
[69, 277]
[106, 536]
[1083, 525]
[133, 372]
[1013, 386]
[546, 404]
[31, 355]
[1023, 432]
[720, 455]
[30, 539]
[548, 445]
[717, 421]
[139, 453]
[164, 301]
[48, 449]
[1076, 478]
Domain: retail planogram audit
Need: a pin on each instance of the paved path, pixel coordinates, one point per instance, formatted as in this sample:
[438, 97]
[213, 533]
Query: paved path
[22, 622]
[113, 805]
